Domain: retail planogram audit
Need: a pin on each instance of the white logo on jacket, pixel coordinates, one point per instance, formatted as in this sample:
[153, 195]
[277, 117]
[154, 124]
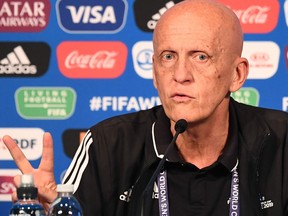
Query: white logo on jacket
[126, 195]
[266, 203]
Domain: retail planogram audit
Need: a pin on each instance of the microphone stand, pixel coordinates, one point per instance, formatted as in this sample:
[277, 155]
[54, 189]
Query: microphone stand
[180, 127]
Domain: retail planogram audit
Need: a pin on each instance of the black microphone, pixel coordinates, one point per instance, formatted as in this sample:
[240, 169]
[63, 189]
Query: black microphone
[180, 127]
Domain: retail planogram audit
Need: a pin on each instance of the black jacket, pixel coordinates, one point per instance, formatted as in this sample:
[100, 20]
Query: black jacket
[115, 152]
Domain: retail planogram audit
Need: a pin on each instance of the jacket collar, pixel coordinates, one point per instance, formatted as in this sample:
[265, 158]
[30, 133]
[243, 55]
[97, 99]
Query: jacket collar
[161, 137]
[253, 132]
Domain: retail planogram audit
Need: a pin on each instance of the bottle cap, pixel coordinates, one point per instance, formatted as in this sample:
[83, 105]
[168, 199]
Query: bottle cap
[27, 188]
[68, 188]
[26, 180]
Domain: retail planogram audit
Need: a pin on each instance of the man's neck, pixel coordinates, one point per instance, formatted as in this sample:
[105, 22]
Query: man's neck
[202, 145]
[202, 153]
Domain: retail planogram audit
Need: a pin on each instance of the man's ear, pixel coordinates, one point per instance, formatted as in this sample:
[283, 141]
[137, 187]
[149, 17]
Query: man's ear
[240, 74]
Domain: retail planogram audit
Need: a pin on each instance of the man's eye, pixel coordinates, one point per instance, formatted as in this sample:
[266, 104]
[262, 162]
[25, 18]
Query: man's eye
[168, 56]
[202, 57]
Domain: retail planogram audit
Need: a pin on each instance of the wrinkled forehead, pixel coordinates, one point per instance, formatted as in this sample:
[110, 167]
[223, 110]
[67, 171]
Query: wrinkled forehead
[204, 9]
[187, 30]
[216, 26]
[185, 39]
[189, 19]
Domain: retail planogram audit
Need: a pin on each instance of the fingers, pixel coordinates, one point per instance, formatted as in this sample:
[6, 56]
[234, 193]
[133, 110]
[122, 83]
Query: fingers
[47, 194]
[18, 156]
[17, 180]
[17, 184]
[43, 176]
[14, 197]
[47, 160]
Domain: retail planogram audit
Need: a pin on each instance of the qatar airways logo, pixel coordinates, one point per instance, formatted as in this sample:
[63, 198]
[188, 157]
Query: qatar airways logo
[92, 59]
[256, 16]
[263, 58]
[24, 15]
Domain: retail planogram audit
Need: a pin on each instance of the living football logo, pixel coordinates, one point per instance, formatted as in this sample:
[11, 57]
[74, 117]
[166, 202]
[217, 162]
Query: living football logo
[24, 59]
[91, 16]
[247, 95]
[45, 102]
[148, 12]
[24, 15]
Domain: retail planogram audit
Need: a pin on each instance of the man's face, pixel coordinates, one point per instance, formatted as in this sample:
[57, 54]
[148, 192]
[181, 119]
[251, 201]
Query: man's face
[193, 69]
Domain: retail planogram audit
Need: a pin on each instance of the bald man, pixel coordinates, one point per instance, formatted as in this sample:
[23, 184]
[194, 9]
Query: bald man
[230, 160]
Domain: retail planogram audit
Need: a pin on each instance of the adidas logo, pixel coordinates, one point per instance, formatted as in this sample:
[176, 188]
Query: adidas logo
[155, 194]
[126, 195]
[17, 62]
[152, 23]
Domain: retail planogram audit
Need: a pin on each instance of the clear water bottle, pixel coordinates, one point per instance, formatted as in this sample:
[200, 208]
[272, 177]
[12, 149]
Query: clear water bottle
[27, 204]
[65, 203]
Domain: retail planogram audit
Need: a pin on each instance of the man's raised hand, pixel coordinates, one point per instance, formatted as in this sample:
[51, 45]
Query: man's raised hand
[43, 175]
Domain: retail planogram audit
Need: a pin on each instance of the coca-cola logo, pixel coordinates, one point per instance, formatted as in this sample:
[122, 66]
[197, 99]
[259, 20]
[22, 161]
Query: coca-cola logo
[92, 59]
[256, 16]
[253, 15]
[100, 59]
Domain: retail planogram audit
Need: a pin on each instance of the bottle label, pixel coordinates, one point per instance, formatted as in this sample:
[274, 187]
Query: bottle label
[31, 213]
[21, 214]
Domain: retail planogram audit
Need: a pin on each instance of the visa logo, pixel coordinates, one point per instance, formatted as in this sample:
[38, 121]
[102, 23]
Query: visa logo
[91, 16]
[96, 14]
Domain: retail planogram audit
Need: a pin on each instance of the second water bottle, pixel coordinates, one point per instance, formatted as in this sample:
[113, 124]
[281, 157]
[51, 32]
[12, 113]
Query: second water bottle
[65, 204]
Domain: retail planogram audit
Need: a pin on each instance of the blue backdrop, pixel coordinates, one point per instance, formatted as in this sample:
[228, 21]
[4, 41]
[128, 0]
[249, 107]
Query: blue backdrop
[68, 64]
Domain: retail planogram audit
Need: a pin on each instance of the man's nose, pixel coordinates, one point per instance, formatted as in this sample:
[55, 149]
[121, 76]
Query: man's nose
[182, 72]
